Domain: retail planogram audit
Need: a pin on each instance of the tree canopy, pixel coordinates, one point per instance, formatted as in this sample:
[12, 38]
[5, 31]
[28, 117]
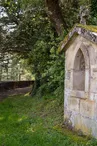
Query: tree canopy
[34, 28]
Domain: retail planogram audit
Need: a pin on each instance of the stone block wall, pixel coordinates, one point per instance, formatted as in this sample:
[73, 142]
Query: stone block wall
[80, 103]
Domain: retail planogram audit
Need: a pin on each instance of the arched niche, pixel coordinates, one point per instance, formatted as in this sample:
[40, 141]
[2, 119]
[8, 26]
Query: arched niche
[81, 64]
[79, 72]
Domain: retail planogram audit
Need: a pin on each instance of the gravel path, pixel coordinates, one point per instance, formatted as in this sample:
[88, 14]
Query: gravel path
[17, 91]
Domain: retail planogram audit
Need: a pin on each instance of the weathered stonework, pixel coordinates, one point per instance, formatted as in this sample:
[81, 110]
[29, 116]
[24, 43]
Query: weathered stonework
[80, 93]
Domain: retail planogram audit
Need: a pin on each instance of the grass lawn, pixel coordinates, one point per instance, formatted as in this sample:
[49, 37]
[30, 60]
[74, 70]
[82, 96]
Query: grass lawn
[27, 121]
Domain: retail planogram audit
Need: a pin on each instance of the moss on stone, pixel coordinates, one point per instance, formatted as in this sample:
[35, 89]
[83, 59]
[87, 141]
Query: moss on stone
[90, 28]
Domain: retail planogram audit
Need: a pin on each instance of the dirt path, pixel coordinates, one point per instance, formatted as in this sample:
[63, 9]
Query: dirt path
[17, 91]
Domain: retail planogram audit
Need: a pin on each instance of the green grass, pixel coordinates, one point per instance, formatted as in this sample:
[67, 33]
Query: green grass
[27, 121]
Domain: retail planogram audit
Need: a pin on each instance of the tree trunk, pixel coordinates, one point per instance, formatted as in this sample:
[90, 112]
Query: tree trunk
[54, 12]
[37, 82]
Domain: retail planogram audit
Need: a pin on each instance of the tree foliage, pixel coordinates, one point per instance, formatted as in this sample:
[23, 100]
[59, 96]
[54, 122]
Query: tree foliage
[33, 30]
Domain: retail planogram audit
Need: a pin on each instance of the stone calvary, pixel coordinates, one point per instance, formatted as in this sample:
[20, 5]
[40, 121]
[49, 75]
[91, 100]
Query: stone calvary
[80, 98]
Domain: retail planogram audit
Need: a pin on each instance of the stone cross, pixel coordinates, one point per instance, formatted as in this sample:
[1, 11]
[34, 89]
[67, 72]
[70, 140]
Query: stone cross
[83, 14]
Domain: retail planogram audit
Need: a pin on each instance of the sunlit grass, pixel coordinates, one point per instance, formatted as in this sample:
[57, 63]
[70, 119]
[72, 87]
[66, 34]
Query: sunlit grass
[27, 121]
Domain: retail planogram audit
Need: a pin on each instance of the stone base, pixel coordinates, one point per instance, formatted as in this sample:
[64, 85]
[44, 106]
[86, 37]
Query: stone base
[80, 114]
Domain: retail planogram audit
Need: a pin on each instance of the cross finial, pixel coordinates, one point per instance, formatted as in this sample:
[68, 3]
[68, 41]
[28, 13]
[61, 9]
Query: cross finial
[83, 14]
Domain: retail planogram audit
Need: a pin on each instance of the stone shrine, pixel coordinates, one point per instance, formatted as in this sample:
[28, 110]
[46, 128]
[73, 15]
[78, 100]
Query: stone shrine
[80, 98]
